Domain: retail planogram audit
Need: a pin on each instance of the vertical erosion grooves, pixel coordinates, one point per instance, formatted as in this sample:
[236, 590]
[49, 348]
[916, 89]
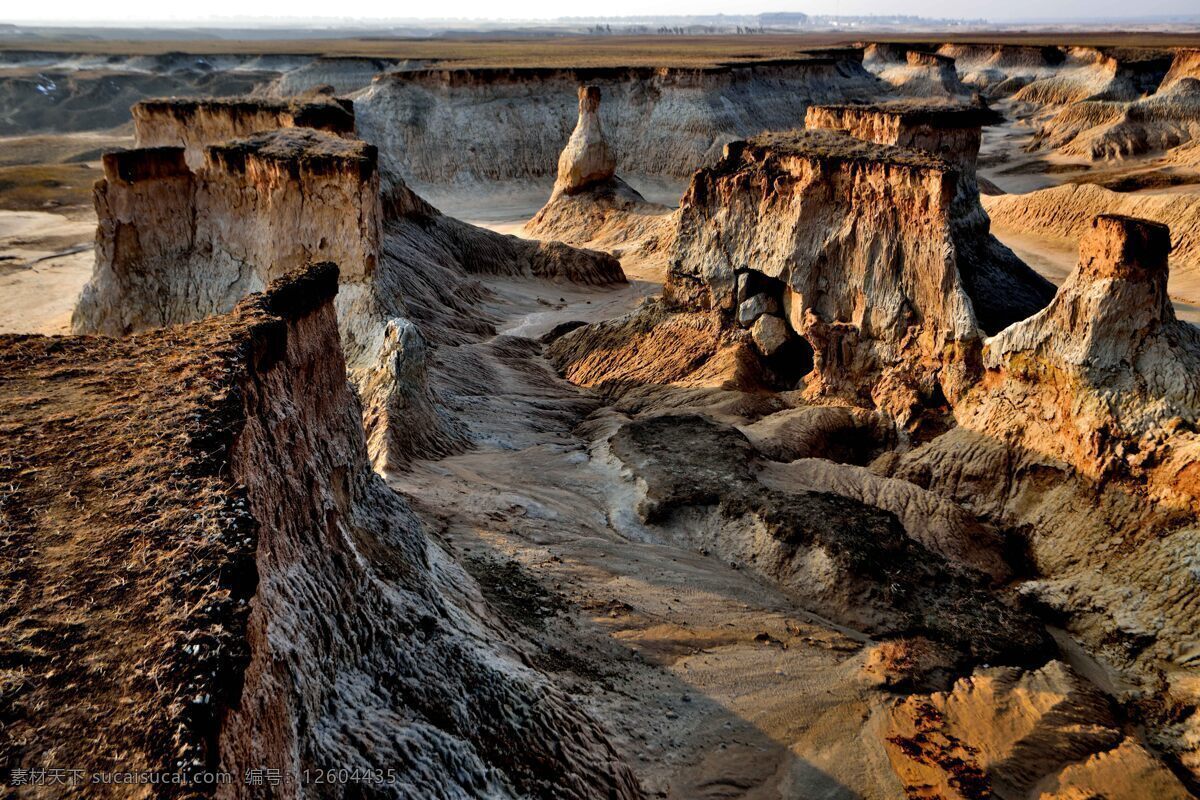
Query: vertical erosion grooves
[201, 572]
[357, 659]
[176, 245]
[1003, 289]
[856, 240]
[439, 126]
[1082, 431]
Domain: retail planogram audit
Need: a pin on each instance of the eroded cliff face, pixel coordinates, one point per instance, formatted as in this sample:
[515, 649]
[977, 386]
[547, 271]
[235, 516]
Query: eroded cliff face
[1082, 431]
[915, 73]
[852, 242]
[1003, 289]
[662, 122]
[364, 631]
[195, 123]
[175, 245]
[1062, 215]
[316, 626]
[1110, 342]
[1111, 130]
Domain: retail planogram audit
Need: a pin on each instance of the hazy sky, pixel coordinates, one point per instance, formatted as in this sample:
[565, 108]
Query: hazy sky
[116, 11]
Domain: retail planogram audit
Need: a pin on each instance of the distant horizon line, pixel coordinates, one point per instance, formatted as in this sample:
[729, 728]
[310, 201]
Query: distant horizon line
[269, 22]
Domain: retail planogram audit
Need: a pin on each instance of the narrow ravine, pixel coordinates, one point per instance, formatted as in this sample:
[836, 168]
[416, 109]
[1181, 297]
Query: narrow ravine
[710, 680]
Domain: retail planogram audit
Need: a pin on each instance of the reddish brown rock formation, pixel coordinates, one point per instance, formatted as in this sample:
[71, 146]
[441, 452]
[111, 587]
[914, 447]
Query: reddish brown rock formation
[854, 240]
[1107, 360]
[308, 620]
[1003, 289]
[1185, 64]
[1082, 432]
[1010, 735]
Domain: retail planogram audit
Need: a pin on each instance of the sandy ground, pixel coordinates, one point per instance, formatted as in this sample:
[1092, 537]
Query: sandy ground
[45, 259]
[713, 683]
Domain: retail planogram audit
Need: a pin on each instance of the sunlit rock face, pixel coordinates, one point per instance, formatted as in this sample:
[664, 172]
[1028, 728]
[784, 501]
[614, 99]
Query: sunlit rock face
[1107, 361]
[590, 205]
[1003, 289]
[1082, 430]
[175, 245]
[587, 159]
[854, 240]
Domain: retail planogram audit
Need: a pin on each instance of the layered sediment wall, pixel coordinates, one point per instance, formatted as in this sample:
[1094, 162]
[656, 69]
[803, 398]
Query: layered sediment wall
[1185, 64]
[1062, 215]
[438, 126]
[315, 626]
[915, 73]
[858, 238]
[1083, 431]
[175, 245]
[195, 123]
[1003, 289]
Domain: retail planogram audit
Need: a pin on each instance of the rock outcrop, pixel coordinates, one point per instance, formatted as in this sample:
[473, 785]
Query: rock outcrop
[1003, 289]
[1012, 735]
[311, 622]
[1082, 432]
[1088, 73]
[999, 70]
[195, 123]
[587, 159]
[1109, 347]
[1110, 130]
[915, 73]
[439, 125]
[1184, 65]
[589, 204]
[853, 240]
[175, 245]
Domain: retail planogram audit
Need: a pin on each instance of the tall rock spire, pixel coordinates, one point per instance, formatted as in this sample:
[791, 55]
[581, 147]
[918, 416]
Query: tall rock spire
[587, 159]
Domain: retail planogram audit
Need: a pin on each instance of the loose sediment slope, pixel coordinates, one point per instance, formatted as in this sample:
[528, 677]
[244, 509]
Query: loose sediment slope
[1060, 216]
[1113, 130]
[438, 126]
[1002, 288]
[312, 625]
[176, 244]
[915, 73]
